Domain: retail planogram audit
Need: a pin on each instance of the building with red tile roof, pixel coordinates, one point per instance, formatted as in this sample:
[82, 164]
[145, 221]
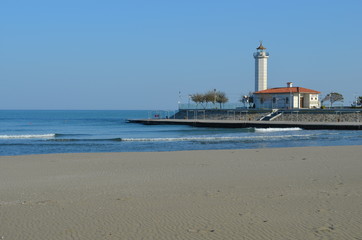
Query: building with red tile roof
[287, 90]
[282, 97]
[287, 98]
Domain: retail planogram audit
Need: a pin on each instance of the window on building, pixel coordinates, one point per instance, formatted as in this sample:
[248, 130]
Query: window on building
[286, 100]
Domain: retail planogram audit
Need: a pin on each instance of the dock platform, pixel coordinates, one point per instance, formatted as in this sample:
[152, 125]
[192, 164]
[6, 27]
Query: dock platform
[252, 124]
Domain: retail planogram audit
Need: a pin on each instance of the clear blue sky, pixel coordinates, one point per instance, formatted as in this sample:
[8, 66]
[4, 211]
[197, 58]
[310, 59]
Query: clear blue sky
[139, 54]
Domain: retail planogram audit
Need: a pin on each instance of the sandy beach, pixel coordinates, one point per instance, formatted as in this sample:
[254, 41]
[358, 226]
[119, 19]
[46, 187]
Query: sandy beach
[284, 193]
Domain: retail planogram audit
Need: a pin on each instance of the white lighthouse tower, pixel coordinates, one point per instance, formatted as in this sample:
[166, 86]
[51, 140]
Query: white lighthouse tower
[261, 68]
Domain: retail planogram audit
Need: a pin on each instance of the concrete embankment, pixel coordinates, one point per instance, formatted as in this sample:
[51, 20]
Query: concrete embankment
[340, 119]
[252, 124]
[298, 115]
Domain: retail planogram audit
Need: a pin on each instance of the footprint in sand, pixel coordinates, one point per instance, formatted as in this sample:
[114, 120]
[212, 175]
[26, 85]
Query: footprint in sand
[200, 230]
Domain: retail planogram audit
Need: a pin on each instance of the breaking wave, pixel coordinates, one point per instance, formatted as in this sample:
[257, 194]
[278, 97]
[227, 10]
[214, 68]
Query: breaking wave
[235, 138]
[50, 135]
[277, 129]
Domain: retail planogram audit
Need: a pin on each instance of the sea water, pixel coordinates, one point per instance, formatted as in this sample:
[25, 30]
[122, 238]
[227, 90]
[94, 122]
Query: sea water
[44, 131]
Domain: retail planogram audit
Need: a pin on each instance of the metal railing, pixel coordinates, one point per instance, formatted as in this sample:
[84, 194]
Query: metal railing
[208, 106]
[162, 114]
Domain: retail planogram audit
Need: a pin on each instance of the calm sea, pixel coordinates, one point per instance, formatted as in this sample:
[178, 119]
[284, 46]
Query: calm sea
[40, 132]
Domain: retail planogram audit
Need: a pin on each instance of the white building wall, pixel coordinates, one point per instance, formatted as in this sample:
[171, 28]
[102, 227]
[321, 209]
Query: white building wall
[261, 73]
[286, 100]
[296, 101]
[314, 101]
[261, 70]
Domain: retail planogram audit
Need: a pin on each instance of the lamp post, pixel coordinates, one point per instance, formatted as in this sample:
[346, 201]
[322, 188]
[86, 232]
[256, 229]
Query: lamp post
[189, 101]
[179, 99]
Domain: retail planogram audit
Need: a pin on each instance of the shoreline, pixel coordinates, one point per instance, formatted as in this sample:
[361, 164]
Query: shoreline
[177, 151]
[273, 193]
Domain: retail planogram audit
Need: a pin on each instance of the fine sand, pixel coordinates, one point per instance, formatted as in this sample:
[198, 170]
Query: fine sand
[289, 193]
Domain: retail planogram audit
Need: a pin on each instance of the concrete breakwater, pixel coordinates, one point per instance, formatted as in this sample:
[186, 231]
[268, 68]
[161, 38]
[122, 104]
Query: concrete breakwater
[305, 119]
[302, 115]
[252, 124]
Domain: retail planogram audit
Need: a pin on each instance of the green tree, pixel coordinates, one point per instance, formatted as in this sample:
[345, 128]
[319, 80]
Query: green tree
[359, 100]
[244, 99]
[221, 98]
[333, 97]
[197, 98]
[210, 97]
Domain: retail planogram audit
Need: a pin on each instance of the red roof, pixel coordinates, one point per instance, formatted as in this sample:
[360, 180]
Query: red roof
[288, 90]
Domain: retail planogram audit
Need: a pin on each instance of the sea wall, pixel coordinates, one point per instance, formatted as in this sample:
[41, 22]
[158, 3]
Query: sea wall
[319, 115]
[329, 116]
[220, 114]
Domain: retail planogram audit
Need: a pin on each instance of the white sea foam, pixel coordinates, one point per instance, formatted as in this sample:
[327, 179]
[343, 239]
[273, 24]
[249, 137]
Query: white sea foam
[178, 139]
[50, 135]
[214, 138]
[276, 129]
